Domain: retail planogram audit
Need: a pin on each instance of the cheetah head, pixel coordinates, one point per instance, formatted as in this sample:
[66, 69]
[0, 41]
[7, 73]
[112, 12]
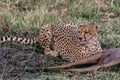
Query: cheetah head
[88, 34]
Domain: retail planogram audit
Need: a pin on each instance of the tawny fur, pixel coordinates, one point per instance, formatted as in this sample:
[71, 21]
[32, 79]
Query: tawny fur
[70, 41]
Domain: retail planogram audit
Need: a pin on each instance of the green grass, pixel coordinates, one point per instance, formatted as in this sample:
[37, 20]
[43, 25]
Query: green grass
[25, 17]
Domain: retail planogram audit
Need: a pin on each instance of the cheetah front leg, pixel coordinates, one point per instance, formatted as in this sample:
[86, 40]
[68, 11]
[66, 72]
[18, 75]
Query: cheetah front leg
[48, 51]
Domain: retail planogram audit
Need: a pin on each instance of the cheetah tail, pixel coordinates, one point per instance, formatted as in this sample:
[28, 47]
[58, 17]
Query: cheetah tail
[18, 39]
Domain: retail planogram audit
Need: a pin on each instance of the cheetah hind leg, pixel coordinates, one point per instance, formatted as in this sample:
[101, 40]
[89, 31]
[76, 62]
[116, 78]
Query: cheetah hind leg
[48, 51]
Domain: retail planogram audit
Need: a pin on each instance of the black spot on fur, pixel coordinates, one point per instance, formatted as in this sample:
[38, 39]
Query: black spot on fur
[1, 39]
[16, 39]
[8, 36]
[5, 38]
[30, 40]
[45, 36]
[26, 40]
[21, 40]
[11, 38]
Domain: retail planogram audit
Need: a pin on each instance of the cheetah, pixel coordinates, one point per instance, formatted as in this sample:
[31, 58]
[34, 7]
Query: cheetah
[70, 41]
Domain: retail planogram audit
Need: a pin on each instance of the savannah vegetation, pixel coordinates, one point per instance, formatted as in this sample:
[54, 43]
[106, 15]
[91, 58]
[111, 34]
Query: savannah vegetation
[25, 17]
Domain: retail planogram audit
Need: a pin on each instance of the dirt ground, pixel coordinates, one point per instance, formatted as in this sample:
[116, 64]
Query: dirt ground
[18, 60]
[14, 59]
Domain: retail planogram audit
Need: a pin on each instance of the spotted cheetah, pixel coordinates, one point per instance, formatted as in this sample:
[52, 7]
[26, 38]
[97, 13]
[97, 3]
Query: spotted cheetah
[68, 40]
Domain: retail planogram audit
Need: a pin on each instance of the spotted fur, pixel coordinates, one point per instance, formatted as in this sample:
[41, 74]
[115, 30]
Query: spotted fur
[71, 42]
[18, 39]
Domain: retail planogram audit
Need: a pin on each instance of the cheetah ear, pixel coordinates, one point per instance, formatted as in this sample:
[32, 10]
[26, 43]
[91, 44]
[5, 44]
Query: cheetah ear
[80, 27]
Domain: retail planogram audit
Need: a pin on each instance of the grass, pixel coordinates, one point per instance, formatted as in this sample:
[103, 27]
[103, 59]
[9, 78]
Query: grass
[25, 17]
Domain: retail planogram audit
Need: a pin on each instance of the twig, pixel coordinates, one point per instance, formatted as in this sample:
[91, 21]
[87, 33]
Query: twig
[89, 69]
[96, 67]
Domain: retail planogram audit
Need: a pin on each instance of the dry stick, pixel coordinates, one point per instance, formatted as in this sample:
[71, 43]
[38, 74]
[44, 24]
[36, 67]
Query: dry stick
[82, 61]
[112, 63]
[89, 69]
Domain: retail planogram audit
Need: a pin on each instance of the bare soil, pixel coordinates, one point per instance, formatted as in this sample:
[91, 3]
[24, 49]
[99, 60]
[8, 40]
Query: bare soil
[17, 61]
[15, 58]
